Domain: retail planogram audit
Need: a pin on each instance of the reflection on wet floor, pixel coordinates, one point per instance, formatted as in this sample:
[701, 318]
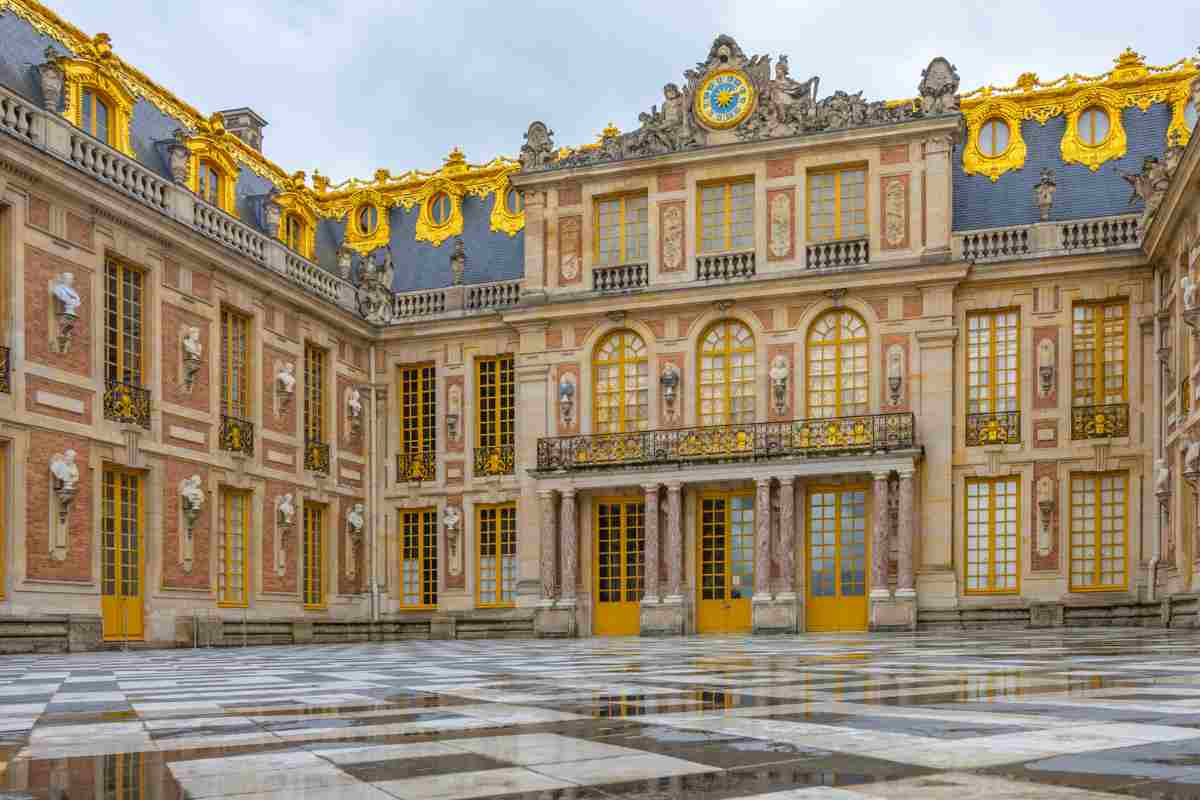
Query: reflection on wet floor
[1101, 714]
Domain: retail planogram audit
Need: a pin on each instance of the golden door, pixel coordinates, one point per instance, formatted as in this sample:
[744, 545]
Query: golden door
[726, 560]
[121, 556]
[619, 566]
[836, 521]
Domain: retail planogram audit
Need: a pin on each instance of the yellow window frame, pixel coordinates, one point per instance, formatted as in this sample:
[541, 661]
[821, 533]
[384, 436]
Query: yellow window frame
[314, 586]
[119, 279]
[838, 173]
[993, 373]
[120, 478]
[425, 521]
[727, 351]
[621, 362]
[727, 211]
[501, 511]
[623, 255]
[235, 363]
[496, 417]
[416, 388]
[228, 497]
[1099, 338]
[1098, 532]
[992, 496]
[837, 343]
[314, 392]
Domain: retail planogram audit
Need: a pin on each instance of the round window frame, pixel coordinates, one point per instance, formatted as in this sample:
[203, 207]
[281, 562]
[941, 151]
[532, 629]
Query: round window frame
[1079, 126]
[979, 136]
[431, 204]
[358, 215]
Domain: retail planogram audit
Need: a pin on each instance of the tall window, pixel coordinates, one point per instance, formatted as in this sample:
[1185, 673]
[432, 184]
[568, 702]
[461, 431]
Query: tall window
[621, 230]
[992, 535]
[231, 549]
[495, 403]
[497, 537]
[418, 424]
[993, 363]
[1098, 531]
[209, 182]
[621, 384]
[95, 115]
[418, 559]
[1098, 354]
[314, 393]
[726, 385]
[837, 365]
[235, 362]
[123, 324]
[295, 234]
[727, 216]
[837, 204]
[312, 556]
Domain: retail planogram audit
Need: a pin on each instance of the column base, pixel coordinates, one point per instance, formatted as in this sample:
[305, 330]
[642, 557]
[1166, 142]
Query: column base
[906, 593]
[555, 622]
[672, 600]
[786, 597]
[880, 594]
[774, 616]
[651, 601]
[761, 598]
[893, 614]
[661, 619]
[564, 602]
[546, 602]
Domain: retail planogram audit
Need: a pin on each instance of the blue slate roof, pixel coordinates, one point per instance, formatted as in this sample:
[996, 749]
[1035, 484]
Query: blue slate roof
[1081, 193]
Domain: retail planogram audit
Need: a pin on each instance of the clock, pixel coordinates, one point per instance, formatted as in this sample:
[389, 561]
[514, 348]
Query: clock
[724, 99]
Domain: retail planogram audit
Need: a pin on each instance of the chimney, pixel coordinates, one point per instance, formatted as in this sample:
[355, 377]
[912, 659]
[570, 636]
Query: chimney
[246, 125]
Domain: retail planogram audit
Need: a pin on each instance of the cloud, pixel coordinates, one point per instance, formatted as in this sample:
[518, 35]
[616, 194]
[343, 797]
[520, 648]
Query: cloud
[350, 87]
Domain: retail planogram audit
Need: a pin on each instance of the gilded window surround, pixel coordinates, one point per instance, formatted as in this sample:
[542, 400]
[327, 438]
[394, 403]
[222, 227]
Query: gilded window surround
[211, 143]
[975, 162]
[1131, 82]
[93, 69]
[299, 203]
[359, 240]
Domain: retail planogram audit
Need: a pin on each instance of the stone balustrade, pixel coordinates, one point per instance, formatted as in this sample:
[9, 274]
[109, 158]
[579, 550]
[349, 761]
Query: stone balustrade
[1049, 239]
[491, 296]
[418, 304]
[621, 277]
[842, 253]
[725, 266]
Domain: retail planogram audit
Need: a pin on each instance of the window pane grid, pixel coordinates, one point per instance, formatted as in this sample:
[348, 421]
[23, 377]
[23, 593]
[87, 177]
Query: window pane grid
[311, 556]
[120, 534]
[727, 217]
[727, 373]
[314, 393]
[495, 401]
[992, 535]
[837, 366]
[497, 538]
[837, 204]
[1098, 354]
[418, 409]
[231, 556]
[123, 323]
[993, 362]
[418, 558]
[622, 380]
[622, 230]
[1098, 531]
[235, 332]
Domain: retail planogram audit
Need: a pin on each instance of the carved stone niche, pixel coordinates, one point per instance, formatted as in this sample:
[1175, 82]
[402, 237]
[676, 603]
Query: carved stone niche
[191, 504]
[895, 374]
[566, 398]
[64, 485]
[669, 380]
[65, 301]
[1046, 368]
[285, 518]
[354, 412]
[452, 522]
[285, 386]
[1045, 505]
[191, 352]
[1162, 487]
[454, 413]
[356, 522]
[780, 375]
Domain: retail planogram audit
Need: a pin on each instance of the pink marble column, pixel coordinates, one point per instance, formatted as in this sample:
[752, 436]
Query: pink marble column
[762, 540]
[650, 532]
[785, 551]
[675, 541]
[549, 541]
[569, 546]
[906, 536]
[879, 538]
[801, 541]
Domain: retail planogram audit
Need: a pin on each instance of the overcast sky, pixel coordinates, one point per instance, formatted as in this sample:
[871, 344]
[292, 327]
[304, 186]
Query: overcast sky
[348, 87]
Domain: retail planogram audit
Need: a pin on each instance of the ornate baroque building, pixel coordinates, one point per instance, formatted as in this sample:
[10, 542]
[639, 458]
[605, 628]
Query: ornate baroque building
[778, 360]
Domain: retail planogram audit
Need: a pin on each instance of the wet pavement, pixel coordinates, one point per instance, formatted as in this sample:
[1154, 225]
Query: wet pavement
[1077, 715]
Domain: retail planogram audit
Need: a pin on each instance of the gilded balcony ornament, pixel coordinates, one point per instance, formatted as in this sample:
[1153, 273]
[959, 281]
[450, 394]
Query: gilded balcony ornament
[316, 456]
[236, 435]
[496, 460]
[416, 467]
[126, 403]
[1100, 422]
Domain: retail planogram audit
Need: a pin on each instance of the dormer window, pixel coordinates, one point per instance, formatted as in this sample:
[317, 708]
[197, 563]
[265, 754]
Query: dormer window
[440, 207]
[994, 138]
[293, 233]
[368, 219]
[209, 180]
[95, 115]
[1094, 126]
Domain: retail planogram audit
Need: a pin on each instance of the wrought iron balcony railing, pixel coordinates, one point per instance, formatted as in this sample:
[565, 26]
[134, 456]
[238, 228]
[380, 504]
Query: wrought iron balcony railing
[316, 456]
[5, 370]
[236, 435]
[751, 441]
[1100, 422]
[495, 460]
[124, 402]
[416, 466]
[998, 427]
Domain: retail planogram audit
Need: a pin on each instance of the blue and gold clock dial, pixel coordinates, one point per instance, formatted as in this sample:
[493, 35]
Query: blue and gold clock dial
[724, 99]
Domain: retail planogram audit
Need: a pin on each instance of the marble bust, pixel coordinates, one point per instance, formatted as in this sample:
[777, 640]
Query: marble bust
[64, 291]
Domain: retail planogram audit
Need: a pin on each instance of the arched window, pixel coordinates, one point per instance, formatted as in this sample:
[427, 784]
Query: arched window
[726, 384]
[621, 376]
[837, 365]
[209, 180]
[94, 115]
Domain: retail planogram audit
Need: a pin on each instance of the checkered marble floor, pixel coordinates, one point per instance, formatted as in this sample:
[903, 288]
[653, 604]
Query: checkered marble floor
[1080, 715]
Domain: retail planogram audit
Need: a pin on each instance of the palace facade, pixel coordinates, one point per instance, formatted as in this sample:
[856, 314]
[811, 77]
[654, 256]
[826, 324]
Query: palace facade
[778, 361]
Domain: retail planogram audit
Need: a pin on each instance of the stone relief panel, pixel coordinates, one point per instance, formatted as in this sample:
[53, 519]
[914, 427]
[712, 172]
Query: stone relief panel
[455, 575]
[455, 421]
[781, 224]
[570, 250]
[894, 222]
[672, 236]
[1045, 348]
[894, 347]
[1044, 543]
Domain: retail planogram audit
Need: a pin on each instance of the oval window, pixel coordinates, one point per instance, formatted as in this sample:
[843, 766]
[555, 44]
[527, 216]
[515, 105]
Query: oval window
[514, 201]
[368, 219]
[993, 138]
[439, 208]
[1093, 126]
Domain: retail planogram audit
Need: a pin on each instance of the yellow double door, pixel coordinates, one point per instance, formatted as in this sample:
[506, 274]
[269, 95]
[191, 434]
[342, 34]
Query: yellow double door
[121, 556]
[725, 540]
[836, 558]
[619, 566]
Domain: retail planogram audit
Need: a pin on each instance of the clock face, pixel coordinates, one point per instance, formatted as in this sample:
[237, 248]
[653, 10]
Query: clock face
[724, 99]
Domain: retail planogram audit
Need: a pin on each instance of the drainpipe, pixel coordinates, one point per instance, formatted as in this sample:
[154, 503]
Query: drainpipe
[372, 492]
[1160, 444]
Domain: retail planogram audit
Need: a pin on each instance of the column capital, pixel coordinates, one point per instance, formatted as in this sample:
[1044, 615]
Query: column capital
[881, 476]
[763, 481]
[907, 472]
[546, 494]
[568, 492]
[786, 481]
[650, 487]
[674, 486]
